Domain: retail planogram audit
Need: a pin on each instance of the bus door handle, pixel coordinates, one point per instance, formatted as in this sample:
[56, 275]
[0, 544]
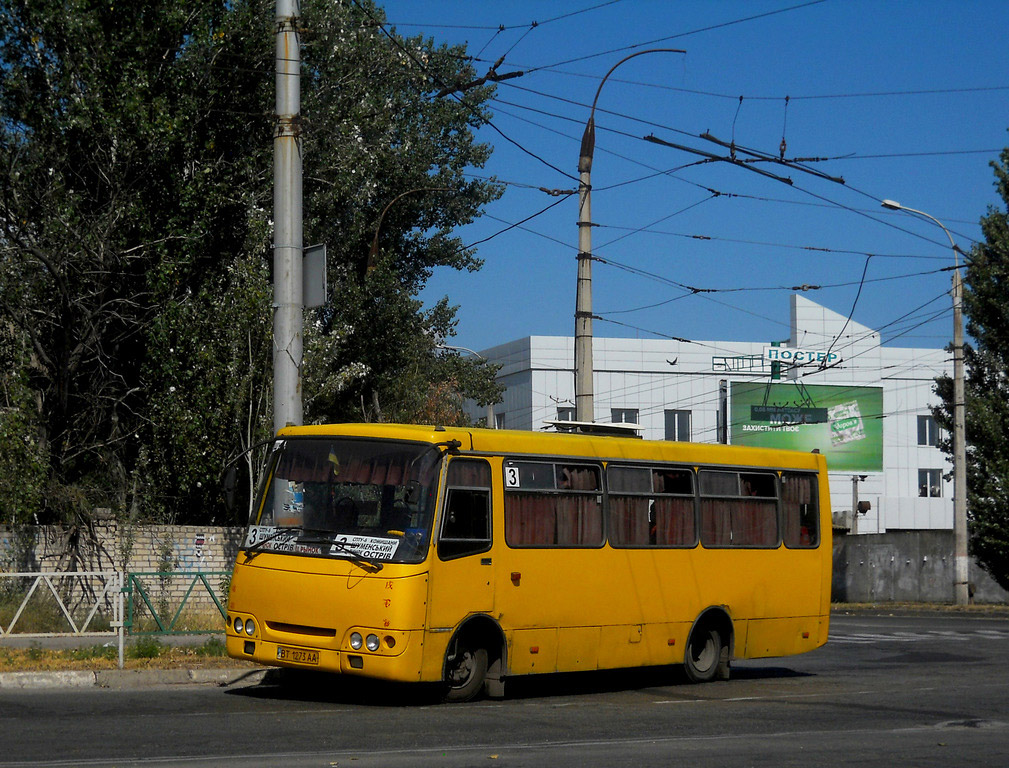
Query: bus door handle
[485, 561]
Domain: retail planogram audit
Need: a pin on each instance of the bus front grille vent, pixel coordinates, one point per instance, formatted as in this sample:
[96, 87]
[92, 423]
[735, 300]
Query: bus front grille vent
[301, 629]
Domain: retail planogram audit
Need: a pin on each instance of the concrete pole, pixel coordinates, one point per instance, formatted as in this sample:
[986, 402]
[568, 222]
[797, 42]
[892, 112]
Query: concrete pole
[854, 504]
[960, 585]
[960, 561]
[584, 403]
[288, 304]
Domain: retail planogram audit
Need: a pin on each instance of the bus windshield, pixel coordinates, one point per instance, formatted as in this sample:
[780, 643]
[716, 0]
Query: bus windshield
[362, 500]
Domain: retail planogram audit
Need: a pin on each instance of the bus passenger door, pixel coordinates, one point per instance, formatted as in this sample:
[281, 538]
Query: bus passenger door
[462, 579]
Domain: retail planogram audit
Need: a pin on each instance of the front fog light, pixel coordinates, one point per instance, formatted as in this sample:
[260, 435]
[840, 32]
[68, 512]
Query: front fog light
[250, 627]
[238, 625]
[356, 641]
[372, 642]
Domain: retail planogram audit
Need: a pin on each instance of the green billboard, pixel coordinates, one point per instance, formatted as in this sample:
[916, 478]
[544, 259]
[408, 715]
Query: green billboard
[844, 422]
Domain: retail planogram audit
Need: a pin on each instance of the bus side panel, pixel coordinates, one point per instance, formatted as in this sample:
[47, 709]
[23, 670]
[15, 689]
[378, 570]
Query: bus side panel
[643, 644]
[532, 650]
[577, 648]
[783, 637]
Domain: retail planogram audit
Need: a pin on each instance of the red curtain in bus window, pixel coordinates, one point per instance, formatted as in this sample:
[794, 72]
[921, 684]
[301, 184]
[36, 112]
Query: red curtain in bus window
[578, 478]
[530, 520]
[716, 522]
[674, 522]
[629, 521]
[382, 470]
[356, 471]
[469, 473]
[800, 516]
[754, 523]
[579, 521]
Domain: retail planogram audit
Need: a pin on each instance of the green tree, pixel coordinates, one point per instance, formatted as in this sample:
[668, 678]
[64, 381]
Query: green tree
[133, 187]
[986, 387]
[22, 456]
[364, 167]
[134, 237]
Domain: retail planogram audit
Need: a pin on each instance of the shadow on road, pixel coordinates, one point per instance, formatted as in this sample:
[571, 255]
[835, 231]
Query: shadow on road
[308, 685]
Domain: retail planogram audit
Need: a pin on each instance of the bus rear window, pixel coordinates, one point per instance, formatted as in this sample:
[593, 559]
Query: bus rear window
[800, 511]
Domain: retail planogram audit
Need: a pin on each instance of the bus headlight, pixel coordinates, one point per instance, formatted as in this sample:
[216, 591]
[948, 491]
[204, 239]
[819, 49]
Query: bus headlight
[250, 627]
[356, 641]
[238, 625]
[372, 642]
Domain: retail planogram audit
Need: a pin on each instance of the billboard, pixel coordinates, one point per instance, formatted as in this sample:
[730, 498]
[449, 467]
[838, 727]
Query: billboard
[844, 422]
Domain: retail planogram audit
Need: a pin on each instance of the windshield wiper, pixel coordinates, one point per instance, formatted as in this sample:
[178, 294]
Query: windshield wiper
[255, 549]
[354, 556]
[357, 558]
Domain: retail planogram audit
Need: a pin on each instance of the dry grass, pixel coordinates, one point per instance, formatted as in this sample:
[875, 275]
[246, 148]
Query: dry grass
[974, 609]
[145, 653]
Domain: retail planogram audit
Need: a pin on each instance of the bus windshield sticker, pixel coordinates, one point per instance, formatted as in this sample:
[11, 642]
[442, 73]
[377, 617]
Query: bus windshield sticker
[268, 537]
[368, 547]
[258, 533]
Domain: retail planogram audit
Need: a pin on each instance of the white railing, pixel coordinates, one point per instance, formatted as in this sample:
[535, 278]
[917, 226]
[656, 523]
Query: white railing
[81, 597]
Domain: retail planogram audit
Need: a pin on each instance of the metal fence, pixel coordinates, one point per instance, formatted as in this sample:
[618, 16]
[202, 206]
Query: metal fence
[160, 594]
[111, 604]
[79, 603]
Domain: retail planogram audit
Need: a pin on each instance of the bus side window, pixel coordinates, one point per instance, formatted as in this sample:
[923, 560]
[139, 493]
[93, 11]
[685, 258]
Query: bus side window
[466, 521]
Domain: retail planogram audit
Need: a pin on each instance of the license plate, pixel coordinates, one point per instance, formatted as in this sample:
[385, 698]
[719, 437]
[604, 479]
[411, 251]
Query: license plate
[297, 655]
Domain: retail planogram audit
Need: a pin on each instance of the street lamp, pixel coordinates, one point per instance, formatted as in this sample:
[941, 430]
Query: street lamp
[491, 421]
[960, 590]
[584, 407]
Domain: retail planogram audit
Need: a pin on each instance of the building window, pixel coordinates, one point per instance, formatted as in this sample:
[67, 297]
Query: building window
[928, 431]
[624, 415]
[678, 426]
[930, 482]
[499, 420]
[565, 413]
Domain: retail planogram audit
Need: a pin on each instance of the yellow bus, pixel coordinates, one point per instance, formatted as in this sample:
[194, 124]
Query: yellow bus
[467, 556]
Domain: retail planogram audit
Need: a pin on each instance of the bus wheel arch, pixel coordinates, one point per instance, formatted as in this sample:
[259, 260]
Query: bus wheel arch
[709, 646]
[475, 661]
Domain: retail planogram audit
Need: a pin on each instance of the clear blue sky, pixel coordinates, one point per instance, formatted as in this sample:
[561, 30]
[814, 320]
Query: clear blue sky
[905, 100]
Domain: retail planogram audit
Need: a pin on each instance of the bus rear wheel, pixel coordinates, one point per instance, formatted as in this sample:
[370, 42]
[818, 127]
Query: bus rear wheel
[465, 672]
[704, 652]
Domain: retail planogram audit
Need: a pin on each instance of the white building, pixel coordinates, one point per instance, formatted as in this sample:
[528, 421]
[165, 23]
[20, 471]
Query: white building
[879, 427]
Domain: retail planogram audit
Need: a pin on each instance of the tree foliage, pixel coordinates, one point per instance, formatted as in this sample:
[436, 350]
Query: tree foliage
[986, 286]
[134, 240]
[404, 178]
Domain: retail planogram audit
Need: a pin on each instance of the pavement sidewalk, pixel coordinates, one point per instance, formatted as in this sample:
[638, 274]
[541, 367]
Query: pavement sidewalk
[132, 678]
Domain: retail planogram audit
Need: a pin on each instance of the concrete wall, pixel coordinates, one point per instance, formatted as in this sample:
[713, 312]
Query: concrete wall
[903, 566]
[109, 546]
[906, 566]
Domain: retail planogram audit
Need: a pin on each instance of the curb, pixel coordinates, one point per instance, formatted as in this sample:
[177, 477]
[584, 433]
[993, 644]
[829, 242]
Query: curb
[125, 679]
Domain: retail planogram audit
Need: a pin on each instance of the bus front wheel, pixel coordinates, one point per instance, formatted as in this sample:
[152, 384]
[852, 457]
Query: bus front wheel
[704, 652]
[465, 671]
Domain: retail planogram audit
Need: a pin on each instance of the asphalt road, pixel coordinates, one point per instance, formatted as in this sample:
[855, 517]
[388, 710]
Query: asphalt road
[907, 691]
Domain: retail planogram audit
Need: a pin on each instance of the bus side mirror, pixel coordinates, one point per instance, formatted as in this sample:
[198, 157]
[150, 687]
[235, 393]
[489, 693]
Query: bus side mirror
[230, 481]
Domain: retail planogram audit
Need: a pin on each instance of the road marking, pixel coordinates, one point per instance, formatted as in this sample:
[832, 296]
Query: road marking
[863, 638]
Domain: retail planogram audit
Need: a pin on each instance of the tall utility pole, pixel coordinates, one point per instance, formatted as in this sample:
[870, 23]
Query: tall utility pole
[584, 403]
[288, 302]
[961, 592]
